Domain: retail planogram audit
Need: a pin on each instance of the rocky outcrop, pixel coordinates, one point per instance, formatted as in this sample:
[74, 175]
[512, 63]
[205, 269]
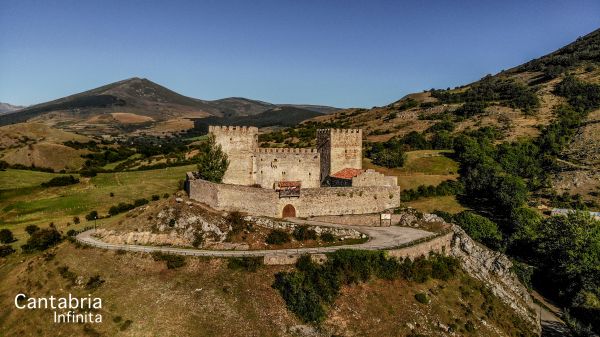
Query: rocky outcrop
[342, 233]
[495, 270]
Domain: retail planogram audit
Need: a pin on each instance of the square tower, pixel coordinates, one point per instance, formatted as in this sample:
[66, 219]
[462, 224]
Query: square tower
[239, 143]
[339, 149]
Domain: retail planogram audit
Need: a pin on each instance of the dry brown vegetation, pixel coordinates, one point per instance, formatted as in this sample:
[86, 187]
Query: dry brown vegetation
[205, 298]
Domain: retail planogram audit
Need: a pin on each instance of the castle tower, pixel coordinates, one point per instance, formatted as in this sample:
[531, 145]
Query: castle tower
[339, 149]
[239, 143]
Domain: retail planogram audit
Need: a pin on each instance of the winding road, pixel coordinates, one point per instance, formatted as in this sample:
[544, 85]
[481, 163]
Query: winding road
[379, 238]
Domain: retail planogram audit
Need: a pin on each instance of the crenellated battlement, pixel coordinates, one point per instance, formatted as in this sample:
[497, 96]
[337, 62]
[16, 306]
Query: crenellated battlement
[230, 129]
[286, 150]
[339, 131]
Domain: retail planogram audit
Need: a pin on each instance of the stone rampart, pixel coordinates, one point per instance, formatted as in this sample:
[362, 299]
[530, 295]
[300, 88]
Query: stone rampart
[312, 201]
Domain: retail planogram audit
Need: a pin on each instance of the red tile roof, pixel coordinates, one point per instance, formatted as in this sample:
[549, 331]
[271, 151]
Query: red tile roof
[347, 173]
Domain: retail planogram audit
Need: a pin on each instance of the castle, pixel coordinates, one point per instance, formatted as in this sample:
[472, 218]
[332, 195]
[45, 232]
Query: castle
[295, 182]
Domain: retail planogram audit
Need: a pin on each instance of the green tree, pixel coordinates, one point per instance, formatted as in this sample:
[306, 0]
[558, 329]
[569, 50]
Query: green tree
[479, 228]
[6, 236]
[568, 251]
[509, 193]
[42, 239]
[212, 161]
[30, 229]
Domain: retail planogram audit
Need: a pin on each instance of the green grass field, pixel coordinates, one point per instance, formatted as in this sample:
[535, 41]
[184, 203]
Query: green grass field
[23, 201]
[447, 203]
[423, 167]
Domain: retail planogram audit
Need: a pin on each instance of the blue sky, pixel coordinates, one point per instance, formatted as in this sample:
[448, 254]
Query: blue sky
[340, 53]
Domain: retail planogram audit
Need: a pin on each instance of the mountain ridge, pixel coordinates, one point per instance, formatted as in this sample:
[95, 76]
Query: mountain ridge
[8, 108]
[144, 97]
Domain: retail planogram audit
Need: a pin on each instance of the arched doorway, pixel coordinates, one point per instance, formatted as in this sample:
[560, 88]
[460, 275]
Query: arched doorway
[289, 211]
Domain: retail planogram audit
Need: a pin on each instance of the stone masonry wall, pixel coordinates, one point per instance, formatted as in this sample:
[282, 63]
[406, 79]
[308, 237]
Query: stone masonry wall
[240, 143]
[374, 178]
[312, 201]
[346, 149]
[441, 245]
[277, 164]
[339, 149]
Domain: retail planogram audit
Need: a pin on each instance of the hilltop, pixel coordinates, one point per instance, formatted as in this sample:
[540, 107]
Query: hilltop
[516, 104]
[137, 103]
[7, 108]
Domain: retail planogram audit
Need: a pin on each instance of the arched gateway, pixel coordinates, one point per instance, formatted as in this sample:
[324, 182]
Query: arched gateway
[289, 211]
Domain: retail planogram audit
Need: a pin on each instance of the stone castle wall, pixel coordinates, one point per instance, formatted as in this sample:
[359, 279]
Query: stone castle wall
[250, 165]
[239, 143]
[277, 164]
[374, 178]
[340, 149]
[312, 201]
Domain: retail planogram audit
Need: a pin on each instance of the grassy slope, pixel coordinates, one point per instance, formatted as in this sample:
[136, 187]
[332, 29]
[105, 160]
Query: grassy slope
[26, 202]
[205, 298]
[425, 167]
[41, 145]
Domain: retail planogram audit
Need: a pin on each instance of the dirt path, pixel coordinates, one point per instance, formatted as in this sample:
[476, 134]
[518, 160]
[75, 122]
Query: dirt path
[552, 324]
[379, 238]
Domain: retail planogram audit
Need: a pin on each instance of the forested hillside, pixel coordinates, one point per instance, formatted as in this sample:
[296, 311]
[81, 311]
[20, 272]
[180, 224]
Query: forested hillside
[526, 140]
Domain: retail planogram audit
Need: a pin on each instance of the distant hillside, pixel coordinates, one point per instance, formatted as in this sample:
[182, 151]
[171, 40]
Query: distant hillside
[140, 104]
[515, 103]
[6, 108]
[278, 116]
[317, 108]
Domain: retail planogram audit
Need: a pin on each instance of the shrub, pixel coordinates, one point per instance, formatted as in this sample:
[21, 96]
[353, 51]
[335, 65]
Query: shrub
[120, 208]
[42, 240]
[479, 228]
[447, 187]
[155, 197]
[94, 282]
[126, 325]
[88, 172]
[91, 215]
[327, 237]
[68, 275]
[303, 233]
[311, 288]
[250, 264]
[140, 202]
[61, 181]
[165, 196]
[237, 222]
[173, 261]
[198, 240]
[471, 109]
[277, 237]
[6, 236]
[30, 229]
[6, 250]
[76, 220]
[71, 232]
[422, 298]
